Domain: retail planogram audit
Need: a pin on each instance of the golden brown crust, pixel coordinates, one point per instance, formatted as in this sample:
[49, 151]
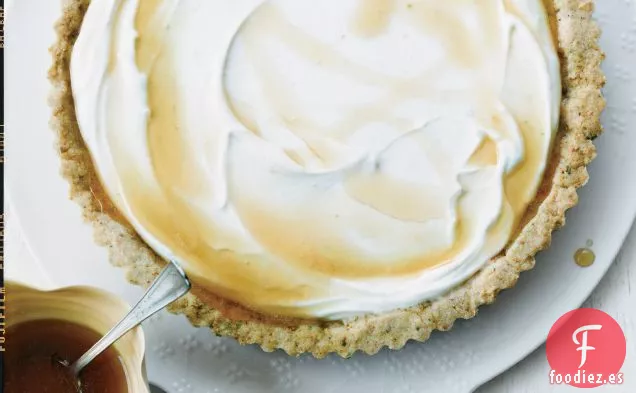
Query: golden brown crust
[581, 107]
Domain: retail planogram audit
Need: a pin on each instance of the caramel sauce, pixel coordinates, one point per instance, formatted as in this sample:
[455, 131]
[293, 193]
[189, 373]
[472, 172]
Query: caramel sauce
[33, 350]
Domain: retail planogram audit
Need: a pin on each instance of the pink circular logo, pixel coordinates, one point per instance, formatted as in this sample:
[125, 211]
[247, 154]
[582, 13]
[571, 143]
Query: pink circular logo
[586, 348]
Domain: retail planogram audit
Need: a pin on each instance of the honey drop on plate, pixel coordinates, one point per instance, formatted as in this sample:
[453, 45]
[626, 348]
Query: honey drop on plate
[584, 257]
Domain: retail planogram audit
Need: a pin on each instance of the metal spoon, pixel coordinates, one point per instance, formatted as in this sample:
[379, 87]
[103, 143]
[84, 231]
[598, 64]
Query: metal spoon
[170, 285]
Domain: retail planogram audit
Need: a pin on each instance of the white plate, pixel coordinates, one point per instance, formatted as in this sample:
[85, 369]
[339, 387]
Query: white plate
[183, 359]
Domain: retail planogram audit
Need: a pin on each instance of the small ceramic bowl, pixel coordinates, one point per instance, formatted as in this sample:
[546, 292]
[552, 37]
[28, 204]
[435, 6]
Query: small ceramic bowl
[85, 306]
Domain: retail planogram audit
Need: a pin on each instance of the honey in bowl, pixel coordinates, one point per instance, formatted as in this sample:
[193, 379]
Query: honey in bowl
[33, 351]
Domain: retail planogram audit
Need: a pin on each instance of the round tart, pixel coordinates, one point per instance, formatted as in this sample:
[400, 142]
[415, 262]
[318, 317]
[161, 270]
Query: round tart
[335, 175]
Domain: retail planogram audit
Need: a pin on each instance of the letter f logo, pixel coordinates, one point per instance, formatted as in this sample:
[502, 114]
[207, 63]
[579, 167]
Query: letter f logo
[583, 344]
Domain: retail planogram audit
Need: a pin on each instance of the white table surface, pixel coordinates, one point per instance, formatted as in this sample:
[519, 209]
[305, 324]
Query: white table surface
[616, 295]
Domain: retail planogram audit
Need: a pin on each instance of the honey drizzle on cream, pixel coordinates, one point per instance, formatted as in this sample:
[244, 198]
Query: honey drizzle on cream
[373, 17]
[374, 189]
[169, 218]
[294, 245]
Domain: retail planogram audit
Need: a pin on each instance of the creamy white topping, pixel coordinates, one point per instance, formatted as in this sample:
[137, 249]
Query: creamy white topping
[320, 158]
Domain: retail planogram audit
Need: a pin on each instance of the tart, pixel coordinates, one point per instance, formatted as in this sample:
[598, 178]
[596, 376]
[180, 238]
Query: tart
[335, 176]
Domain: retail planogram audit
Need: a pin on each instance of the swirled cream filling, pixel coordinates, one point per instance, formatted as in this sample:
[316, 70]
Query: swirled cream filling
[320, 159]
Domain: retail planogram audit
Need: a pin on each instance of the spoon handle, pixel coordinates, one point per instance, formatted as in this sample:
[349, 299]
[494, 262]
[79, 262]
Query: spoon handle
[169, 286]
